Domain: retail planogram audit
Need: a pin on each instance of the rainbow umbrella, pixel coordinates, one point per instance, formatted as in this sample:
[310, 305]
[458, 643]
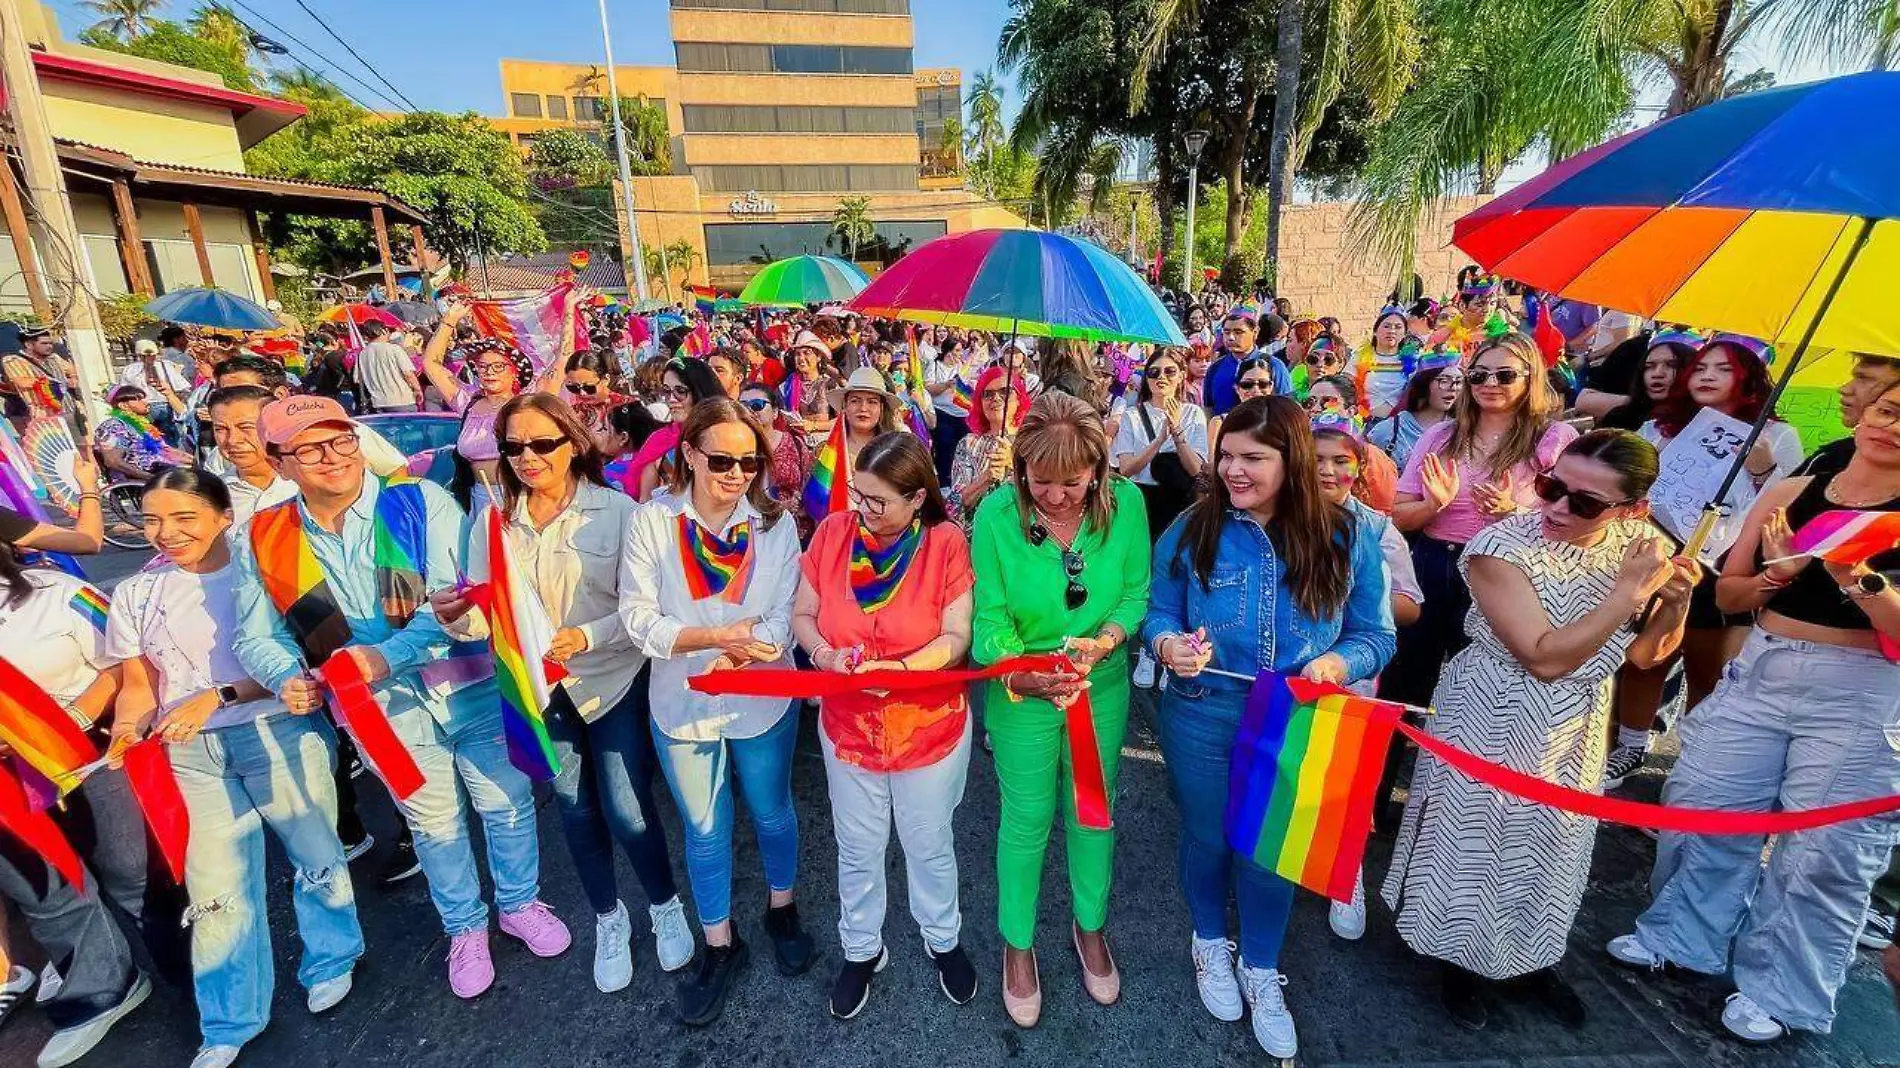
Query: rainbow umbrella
[1771, 214]
[360, 314]
[802, 280]
[1021, 282]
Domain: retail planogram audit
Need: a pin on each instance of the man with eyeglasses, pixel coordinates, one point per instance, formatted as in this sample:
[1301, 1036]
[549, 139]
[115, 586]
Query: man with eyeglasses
[345, 570]
[1240, 342]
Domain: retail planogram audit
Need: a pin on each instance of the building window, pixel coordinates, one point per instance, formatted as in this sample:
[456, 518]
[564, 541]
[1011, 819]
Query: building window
[808, 178]
[701, 57]
[739, 118]
[740, 244]
[526, 105]
[846, 7]
[589, 109]
[557, 107]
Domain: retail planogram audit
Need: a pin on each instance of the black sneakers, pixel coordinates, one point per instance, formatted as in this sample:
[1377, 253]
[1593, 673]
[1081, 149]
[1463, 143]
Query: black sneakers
[853, 988]
[402, 863]
[955, 974]
[703, 989]
[792, 948]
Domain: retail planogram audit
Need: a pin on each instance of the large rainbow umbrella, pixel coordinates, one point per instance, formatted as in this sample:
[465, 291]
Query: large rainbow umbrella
[1771, 214]
[802, 280]
[1021, 282]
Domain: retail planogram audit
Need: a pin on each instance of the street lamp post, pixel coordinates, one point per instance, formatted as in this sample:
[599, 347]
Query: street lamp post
[635, 254]
[1194, 141]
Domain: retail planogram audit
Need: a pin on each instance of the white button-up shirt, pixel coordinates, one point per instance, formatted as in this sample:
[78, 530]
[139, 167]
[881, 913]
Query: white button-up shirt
[573, 564]
[655, 606]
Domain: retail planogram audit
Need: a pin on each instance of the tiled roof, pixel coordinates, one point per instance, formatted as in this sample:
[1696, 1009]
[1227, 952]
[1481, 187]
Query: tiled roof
[537, 272]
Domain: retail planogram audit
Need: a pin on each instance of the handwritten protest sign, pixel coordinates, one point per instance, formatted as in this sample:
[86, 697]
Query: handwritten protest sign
[1693, 464]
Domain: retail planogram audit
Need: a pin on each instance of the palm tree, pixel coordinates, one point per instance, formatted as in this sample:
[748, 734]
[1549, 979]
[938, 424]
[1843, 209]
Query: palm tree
[217, 23]
[985, 131]
[305, 85]
[852, 221]
[124, 19]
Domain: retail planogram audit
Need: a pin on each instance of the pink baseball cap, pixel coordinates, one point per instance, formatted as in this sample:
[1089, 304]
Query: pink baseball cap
[282, 420]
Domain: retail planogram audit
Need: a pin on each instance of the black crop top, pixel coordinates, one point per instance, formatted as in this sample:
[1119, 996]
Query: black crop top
[1814, 597]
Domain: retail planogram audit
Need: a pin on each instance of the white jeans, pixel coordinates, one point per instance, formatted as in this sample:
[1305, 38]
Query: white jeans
[923, 802]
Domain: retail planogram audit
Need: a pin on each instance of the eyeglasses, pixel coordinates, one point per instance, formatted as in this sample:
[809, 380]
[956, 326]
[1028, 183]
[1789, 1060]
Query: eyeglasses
[674, 393]
[538, 446]
[584, 389]
[1251, 385]
[1881, 416]
[720, 463]
[757, 404]
[1503, 376]
[340, 446]
[871, 504]
[1582, 505]
[491, 368]
[1450, 381]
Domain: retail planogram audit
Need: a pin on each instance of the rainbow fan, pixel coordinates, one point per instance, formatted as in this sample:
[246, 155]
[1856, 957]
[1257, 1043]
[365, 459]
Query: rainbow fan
[50, 448]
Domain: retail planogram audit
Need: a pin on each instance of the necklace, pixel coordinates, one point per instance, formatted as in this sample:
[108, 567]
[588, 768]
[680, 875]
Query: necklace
[1839, 494]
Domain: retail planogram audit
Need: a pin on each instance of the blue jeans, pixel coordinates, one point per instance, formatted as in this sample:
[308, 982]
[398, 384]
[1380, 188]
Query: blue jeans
[697, 772]
[237, 780]
[1792, 725]
[605, 793]
[1197, 739]
[467, 748]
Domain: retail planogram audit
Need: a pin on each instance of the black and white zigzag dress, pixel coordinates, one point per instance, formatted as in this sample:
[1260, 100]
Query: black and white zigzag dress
[1479, 878]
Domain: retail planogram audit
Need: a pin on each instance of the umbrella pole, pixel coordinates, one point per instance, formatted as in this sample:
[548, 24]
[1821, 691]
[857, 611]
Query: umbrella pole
[1713, 510]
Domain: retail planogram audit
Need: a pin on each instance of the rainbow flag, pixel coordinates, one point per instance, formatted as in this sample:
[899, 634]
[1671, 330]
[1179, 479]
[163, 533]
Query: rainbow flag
[962, 394]
[705, 300]
[698, 342]
[531, 325]
[91, 604]
[1306, 767]
[520, 633]
[828, 489]
[1848, 537]
[40, 732]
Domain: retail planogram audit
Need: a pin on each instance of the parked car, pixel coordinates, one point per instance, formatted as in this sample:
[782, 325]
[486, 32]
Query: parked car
[427, 438]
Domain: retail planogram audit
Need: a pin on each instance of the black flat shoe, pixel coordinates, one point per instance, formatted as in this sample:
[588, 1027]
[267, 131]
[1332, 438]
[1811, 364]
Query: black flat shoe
[1548, 989]
[1463, 997]
[708, 979]
[853, 989]
[792, 948]
[955, 974]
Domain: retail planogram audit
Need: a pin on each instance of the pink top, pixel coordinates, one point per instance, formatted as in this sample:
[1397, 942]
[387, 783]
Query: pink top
[476, 441]
[1460, 521]
[662, 441]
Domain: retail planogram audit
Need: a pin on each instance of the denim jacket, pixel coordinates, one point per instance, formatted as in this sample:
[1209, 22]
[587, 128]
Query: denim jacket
[1251, 617]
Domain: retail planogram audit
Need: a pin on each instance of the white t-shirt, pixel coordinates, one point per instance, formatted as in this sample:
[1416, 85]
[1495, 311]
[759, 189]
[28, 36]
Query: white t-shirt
[384, 371]
[162, 370]
[52, 637]
[185, 625]
[1132, 438]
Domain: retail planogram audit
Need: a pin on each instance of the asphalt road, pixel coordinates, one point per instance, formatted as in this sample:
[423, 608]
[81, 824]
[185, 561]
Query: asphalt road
[1359, 1005]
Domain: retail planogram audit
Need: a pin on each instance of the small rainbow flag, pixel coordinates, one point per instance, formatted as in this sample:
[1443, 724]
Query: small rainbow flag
[1306, 767]
[962, 394]
[40, 732]
[92, 605]
[520, 634]
[705, 300]
[1848, 537]
[699, 341]
[828, 489]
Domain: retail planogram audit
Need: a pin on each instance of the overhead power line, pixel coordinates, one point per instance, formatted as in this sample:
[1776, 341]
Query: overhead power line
[366, 64]
[335, 67]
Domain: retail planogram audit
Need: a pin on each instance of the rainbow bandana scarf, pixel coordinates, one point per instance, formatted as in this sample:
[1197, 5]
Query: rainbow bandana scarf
[877, 573]
[715, 567]
[149, 438]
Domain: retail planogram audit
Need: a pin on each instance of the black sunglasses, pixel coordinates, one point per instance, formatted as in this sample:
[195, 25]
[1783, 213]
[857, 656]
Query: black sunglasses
[1503, 376]
[1074, 595]
[1582, 505]
[719, 463]
[583, 389]
[538, 446]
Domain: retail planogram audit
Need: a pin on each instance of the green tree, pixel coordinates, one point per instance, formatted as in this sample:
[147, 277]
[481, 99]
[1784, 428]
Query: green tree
[649, 142]
[678, 258]
[123, 19]
[168, 42]
[1865, 32]
[851, 222]
[565, 159]
[217, 23]
[985, 133]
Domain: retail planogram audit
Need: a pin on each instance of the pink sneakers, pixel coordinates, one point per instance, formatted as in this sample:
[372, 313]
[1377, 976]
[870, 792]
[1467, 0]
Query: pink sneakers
[538, 928]
[471, 970]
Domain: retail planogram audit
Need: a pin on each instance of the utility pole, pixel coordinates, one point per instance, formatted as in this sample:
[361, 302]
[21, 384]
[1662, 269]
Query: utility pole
[626, 171]
[57, 236]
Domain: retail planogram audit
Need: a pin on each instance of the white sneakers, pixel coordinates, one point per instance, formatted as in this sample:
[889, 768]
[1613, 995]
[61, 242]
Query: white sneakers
[1272, 1024]
[613, 950]
[1630, 949]
[1144, 669]
[1348, 920]
[1748, 1021]
[672, 938]
[69, 1044]
[216, 1057]
[328, 994]
[1214, 975]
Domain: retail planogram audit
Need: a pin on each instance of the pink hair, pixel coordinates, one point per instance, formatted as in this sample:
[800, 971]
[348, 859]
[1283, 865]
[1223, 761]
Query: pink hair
[1018, 404]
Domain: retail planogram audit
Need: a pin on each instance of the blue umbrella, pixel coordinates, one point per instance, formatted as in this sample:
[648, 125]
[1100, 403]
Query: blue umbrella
[216, 308]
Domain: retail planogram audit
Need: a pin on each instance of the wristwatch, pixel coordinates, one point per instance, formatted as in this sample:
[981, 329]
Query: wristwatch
[227, 696]
[1872, 584]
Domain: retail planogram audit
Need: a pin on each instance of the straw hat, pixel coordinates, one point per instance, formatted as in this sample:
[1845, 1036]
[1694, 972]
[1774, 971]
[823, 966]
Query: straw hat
[865, 379]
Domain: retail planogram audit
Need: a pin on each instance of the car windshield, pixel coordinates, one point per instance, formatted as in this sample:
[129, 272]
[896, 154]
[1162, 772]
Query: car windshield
[412, 434]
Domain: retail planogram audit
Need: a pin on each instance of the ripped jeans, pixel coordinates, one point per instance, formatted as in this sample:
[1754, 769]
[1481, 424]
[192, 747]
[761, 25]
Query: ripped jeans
[271, 772]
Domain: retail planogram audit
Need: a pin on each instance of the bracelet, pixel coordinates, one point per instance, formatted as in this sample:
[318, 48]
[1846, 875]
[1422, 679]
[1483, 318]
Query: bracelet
[1769, 582]
[1009, 688]
[89, 496]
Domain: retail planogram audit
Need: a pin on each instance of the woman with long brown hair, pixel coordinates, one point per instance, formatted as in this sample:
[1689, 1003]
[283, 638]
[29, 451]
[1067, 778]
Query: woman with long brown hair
[888, 585]
[1263, 570]
[565, 529]
[1464, 474]
[707, 579]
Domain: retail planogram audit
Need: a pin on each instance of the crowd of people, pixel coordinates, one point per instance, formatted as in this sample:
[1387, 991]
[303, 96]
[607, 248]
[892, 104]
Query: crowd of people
[1446, 513]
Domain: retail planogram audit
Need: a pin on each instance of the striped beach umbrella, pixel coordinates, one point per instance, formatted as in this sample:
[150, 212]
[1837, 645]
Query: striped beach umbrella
[803, 280]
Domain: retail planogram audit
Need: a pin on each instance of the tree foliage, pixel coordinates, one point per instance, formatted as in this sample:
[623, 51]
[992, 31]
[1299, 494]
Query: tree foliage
[851, 223]
[169, 42]
[122, 19]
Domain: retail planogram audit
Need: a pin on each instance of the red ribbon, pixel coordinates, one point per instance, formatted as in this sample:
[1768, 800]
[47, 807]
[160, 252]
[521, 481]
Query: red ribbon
[1638, 813]
[1085, 756]
[149, 771]
[36, 830]
[364, 719]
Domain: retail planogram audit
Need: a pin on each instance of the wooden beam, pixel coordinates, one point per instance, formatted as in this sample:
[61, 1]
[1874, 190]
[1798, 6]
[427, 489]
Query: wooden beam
[262, 251]
[419, 247]
[381, 225]
[125, 215]
[195, 226]
[15, 214]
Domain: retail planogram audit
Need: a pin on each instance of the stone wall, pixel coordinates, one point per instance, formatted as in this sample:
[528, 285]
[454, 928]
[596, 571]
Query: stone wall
[1323, 274]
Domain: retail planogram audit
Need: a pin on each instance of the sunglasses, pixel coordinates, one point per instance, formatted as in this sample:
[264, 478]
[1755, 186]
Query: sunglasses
[1503, 376]
[720, 463]
[538, 446]
[757, 404]
[1551, 489]
[583, 389]
[1250, 385]
[1165, 372]
[1074, 594]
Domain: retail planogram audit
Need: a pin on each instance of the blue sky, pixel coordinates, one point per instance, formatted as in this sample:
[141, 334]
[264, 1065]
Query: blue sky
[443, 54]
